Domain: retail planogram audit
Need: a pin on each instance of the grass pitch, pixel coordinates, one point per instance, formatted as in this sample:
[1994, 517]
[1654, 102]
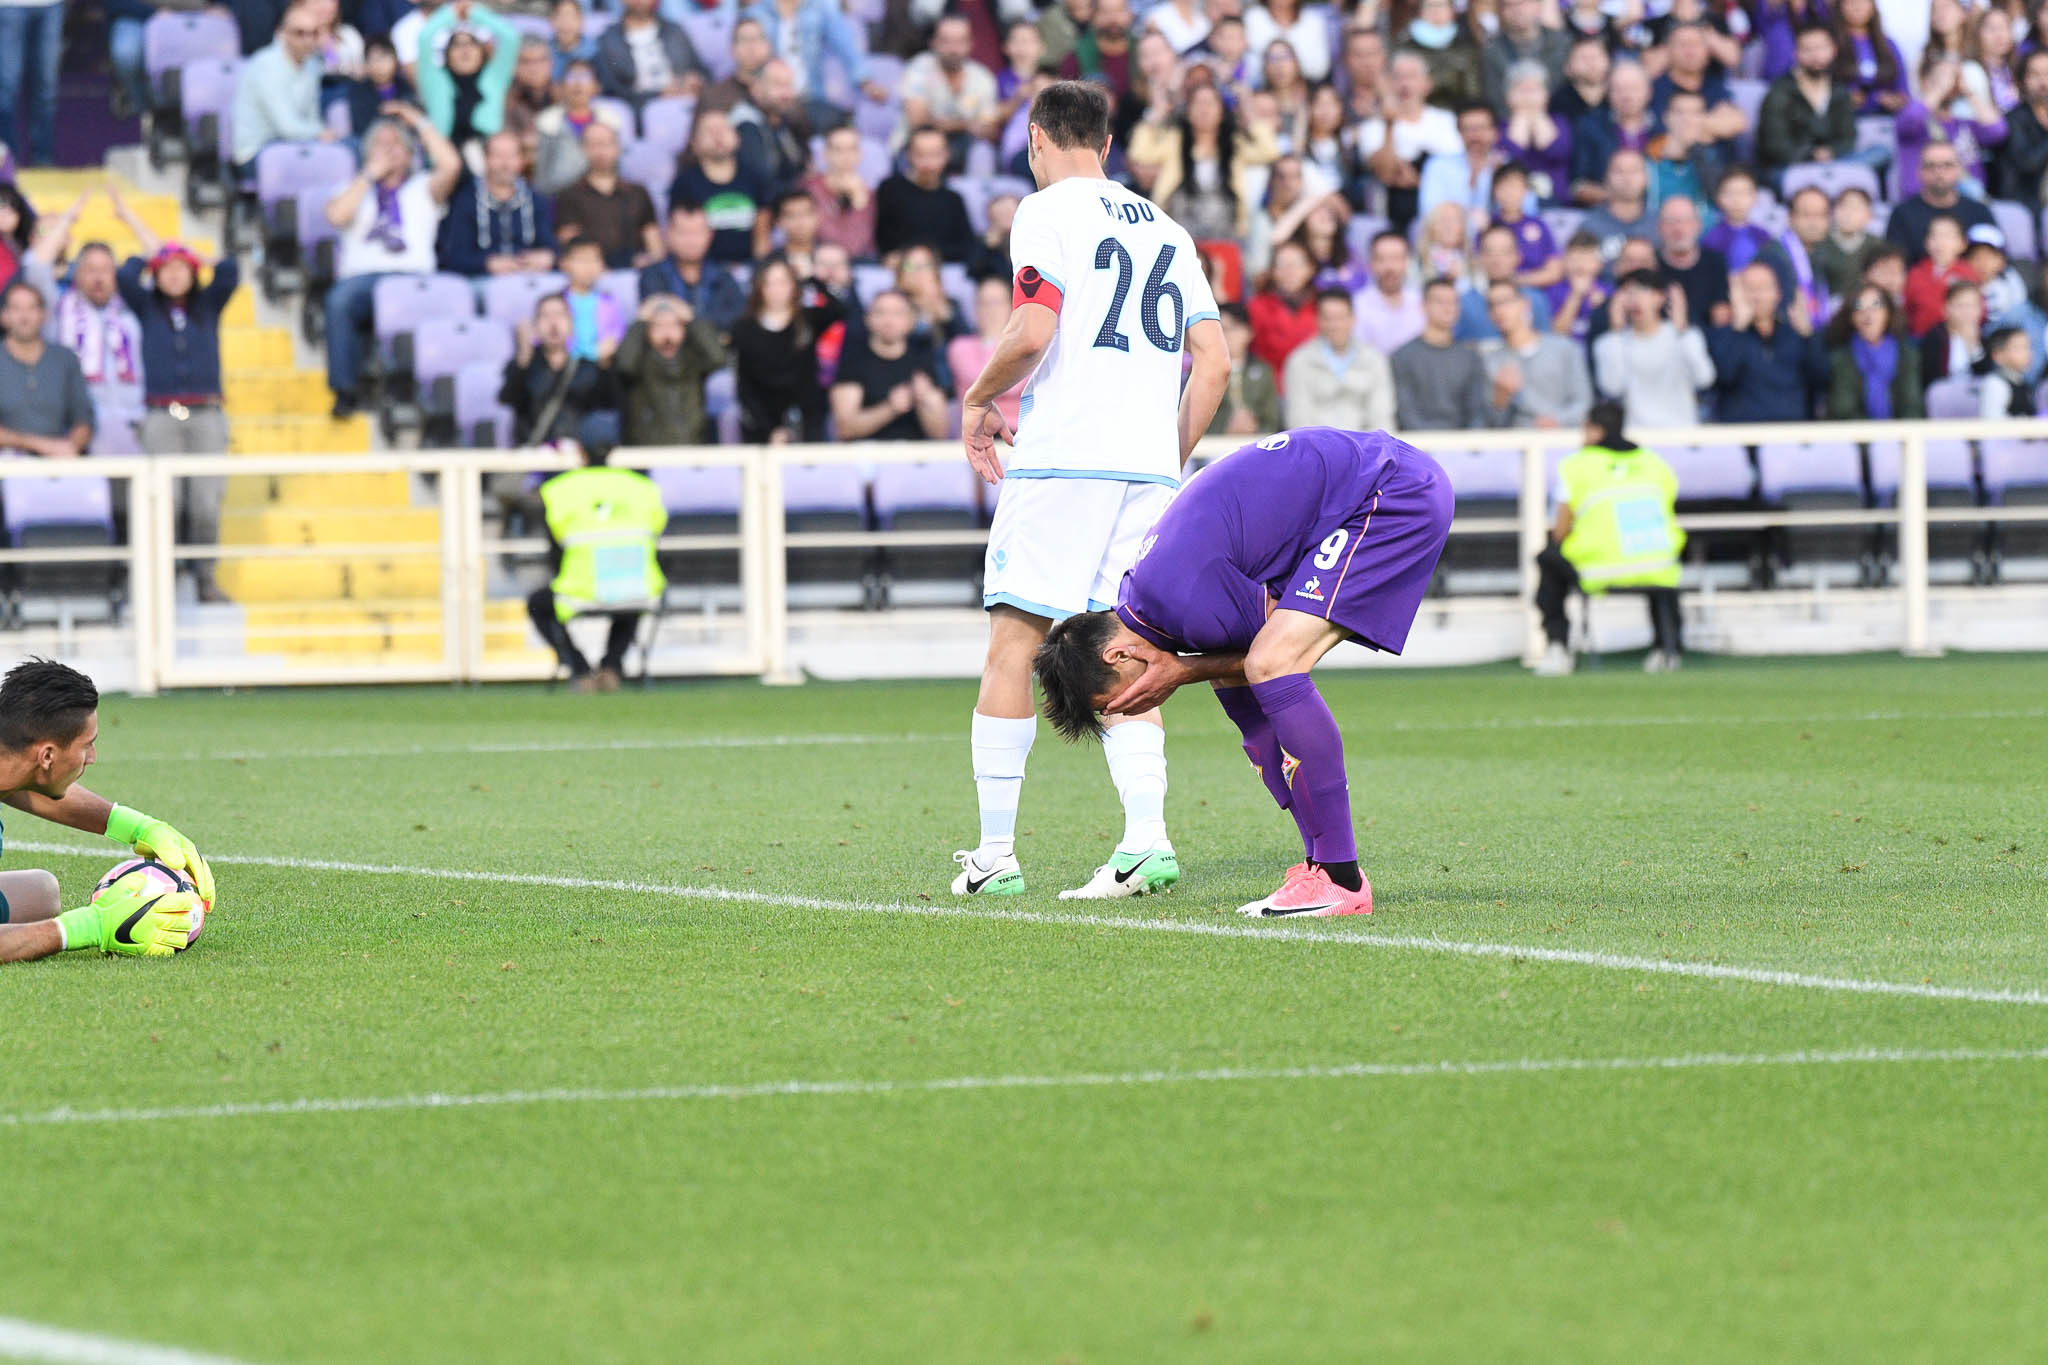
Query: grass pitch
[726, 1076]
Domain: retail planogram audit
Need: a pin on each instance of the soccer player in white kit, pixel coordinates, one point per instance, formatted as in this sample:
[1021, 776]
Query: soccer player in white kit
[1108, 293]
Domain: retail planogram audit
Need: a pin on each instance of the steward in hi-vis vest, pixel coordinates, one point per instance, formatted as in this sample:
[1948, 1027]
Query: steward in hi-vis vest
[603, 524]
[1616, 528]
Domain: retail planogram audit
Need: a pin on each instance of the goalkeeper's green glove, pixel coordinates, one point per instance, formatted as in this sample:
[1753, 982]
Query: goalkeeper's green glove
[152, 838]
[132, 918]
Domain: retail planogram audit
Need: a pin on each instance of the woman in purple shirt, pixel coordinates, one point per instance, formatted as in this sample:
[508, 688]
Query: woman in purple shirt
[1948, 110]
[1534, 136]
[1868, 62]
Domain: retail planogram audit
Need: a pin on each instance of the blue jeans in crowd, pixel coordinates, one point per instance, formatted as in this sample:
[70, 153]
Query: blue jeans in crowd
[349, 314]
[31, 40]
[124, 54]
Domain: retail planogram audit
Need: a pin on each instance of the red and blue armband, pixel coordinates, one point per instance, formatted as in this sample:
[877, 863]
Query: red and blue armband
[1032, 287]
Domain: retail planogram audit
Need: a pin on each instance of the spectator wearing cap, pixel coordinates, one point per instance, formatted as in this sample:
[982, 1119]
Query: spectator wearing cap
[1954, 346]
[277, 91]
[1940, 181]
[180, 321]
[1335, 380]
[559, 158]
[1954, 111]
[45, 409]
[606, 208]
[918, 205]
[1523, 39]
[1807, 114]
[846, 204]
[1940, 265]
[464, 91]
[813, 34]
[1389, 309]
[1694, 268]
[2006, 300]
[644, 56]
[2006, 390]
[1768, 365]
[496, 224]
[1440, 383]
[389, 217]
[1873, 369]
[1651, 359]
[1537, 379]
[2017, 166]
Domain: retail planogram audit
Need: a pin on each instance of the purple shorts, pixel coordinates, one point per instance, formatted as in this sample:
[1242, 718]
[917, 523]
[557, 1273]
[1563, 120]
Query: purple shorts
[1368, 573]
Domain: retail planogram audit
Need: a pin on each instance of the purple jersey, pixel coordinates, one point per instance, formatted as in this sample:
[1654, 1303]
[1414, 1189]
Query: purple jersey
[1346, 525]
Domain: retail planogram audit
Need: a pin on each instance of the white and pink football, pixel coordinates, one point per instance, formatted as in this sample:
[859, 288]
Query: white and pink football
[163, 880]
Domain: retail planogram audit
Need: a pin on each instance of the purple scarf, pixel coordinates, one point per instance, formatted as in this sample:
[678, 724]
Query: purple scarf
[1879, 364]
[388, 229]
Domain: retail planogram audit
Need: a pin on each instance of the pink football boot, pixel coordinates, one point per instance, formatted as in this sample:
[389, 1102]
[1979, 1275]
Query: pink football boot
[1309, 893]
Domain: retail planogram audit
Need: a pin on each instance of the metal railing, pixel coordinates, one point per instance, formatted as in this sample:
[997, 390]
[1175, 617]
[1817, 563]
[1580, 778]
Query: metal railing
[172, 645]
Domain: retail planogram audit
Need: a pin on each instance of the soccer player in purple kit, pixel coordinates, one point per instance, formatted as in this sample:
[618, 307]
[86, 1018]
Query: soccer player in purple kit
[1265, 562]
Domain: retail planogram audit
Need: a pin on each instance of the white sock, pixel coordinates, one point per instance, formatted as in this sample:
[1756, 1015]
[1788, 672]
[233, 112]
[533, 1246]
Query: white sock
[1001, 744]
[1136, 752]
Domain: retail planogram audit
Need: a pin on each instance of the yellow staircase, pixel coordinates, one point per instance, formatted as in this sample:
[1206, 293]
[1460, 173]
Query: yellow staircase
[356, 606]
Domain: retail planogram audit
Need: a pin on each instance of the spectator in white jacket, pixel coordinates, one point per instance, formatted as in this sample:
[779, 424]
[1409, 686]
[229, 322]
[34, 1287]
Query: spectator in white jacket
[1651, 358]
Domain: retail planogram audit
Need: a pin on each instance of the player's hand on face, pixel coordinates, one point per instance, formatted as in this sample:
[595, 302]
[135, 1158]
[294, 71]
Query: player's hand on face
[980, 428]
[1163, 674]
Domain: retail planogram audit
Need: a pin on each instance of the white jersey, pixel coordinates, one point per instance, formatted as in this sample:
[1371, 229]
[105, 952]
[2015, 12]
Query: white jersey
[1127, 284]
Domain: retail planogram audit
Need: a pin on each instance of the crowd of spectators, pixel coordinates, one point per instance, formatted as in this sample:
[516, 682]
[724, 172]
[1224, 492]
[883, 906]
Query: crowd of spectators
[1419, 212]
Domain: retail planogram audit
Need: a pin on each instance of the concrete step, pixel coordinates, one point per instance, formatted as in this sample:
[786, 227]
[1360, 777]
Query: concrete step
[314, 435]
[320, 578]
[255, 492]
[297, 524]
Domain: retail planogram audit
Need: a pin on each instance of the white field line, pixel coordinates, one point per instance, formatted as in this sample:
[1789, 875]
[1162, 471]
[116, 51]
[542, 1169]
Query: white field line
[1516, 1066]
[31, 1341]
[798, 741]
[1290, 933]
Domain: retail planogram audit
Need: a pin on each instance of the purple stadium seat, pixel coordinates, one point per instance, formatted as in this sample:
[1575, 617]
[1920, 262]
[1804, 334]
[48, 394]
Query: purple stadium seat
[886, 70]
[870, 280]
[510, 298]
[623, 285]
[443, 346]
[943, 486]
[713, 491]
[1562, 223]
[477, 406]
[1783, 467]
[1952, 398]
[207, 91]
[2016, 221]
[721, 392]
[1831, 178]
[2010, 465]
[1950, 467]
[665, 122]
[1360, 231]
[877, 162]
[981, 159]
[283, 169]
[404, 302]
[711, 34]
[974, 196]
[114, 433]
[1482, 473]
[1711, 473]
[624, 113]
[172, 40]
[313, 227]
[653, 167]
[959, 287]
[85, 503]
[876, 122]
[824, 490]
[1000, 185]
[532, 26]
[1748, 96]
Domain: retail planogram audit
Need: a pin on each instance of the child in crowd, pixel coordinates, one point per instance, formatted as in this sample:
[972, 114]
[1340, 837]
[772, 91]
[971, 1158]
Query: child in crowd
[597, 321]
[568, 44]
[1927, 283]
[1735, 237]
[1577, 298]
[2005, 391]
[1542, 265]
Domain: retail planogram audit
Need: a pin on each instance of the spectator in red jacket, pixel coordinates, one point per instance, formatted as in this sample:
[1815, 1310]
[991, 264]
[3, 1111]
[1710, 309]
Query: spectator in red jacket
[1927, 283]
[1283, 314]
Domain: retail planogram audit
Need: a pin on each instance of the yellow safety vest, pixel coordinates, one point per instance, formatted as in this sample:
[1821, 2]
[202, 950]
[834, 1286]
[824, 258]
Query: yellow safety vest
[606, 521]
[1624, 532]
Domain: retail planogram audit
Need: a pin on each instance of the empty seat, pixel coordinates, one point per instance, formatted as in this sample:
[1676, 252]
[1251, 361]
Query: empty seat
[870, 280]
[1562, 222]
[171, 41]
[510, 299]
[829, 497]
[1831, 178]
[1952, 398]
[481, 421]
[442, 347]
[2016, 221]
[283, 171]
[43, 514]
[653, 168]
[1951, 482]
[401, 303]
[622, 285]
[1824, 476]
[1486, 483]
[1711, 473]
[2016, 475]
[665, 123]
[711, 34]
[701, 502]
[207, 96]
[938, 495]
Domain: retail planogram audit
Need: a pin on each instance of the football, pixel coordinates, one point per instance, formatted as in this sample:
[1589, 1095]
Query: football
[165, 879]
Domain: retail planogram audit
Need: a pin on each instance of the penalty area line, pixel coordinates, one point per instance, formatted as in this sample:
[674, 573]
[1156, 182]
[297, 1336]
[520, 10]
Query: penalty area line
[32, 1341]
[1516, 1066]
[1277, 933]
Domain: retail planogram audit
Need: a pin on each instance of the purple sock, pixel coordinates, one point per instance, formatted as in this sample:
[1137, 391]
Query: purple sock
[1303, 725]
[1263, 749]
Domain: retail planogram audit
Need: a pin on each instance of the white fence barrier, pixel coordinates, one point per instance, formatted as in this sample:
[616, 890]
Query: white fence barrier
[177, 643]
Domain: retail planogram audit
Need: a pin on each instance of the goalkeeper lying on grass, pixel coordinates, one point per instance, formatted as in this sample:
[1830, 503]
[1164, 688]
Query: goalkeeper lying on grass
[49, 722]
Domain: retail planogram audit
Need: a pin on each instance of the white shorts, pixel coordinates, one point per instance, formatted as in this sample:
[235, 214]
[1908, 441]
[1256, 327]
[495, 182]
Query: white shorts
[1060, 547]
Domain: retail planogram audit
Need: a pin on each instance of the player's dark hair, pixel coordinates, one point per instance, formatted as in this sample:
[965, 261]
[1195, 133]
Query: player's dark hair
[1073, 114]
[41, 700]
[1072, 673]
